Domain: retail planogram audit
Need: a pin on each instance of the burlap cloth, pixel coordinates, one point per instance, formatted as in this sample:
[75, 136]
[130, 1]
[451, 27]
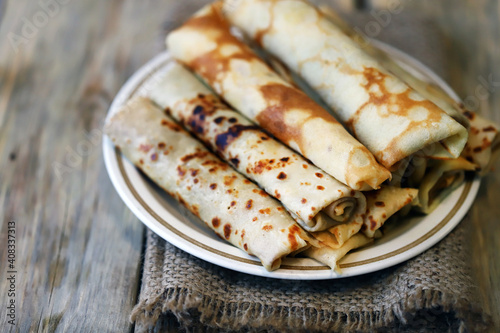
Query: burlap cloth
[432, 292]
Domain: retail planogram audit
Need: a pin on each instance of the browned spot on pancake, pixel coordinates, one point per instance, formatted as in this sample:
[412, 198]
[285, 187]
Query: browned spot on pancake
[249, 204]
[201, 109]
[174, 127]
[222, 140]
[246, 181]
[216, 222]
[255, 219]
[264, 138]
[213, 186]
[245, 246]
[242, 233]
[282, 175]
[292, 231]
[379, 204]
[305, 166]
[141, 161]
[228, 180]
[489, 129]
[319, 175]
[235, 162]
[485, 144]
[374, 78]
[167, 111]
[279, 209]
[474, 130]
[282, 99]
[408, 201]
[265, 164]
[313, 208]
[212, 63]
[373, 223]
[219, 120]
[181, 200]
[181, 171]
[267, 227]
[161, 145]
[277, 194]
[195, 180]
[233, 203]
[470, 115]
[319, 187]
[195, 209]
[194, 172]
[284, 159]
[197, 120]
[353, 193]
[384, 215]
[198, 154]
[227, 230]
[229, 191]
[265, 211]
[212, 170]
[304, 200]
[145, 148]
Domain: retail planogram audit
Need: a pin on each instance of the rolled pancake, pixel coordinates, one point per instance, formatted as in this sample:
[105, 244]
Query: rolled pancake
[338, 235]
[227, 202]
[314, 198]
[441, 178]
[382, 204]
[483, 146]
[204, 43]
[331, 256]
[391, 119]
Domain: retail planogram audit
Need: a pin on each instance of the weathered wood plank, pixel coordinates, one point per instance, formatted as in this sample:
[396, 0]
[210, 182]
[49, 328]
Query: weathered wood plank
[78, 247]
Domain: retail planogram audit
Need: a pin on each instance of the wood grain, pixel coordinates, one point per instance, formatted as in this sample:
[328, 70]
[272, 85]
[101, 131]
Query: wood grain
[78, 246]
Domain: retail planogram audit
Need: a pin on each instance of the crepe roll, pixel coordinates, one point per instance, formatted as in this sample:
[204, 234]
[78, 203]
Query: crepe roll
[382, 204]
[391, 119]
[205, 44]
[227, 202]
[483, 146]
[441, 178]
[331, 257]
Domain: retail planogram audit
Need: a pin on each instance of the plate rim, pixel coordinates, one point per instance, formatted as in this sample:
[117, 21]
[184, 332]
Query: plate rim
[121, 182]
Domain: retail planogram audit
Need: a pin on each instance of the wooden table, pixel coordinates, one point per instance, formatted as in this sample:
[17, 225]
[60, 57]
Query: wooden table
[78, 247]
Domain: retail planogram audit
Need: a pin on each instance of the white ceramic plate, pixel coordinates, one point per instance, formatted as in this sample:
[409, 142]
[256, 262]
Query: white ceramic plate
[404, 240]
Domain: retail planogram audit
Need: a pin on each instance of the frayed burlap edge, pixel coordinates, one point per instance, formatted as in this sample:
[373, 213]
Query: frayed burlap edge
[192, 310]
